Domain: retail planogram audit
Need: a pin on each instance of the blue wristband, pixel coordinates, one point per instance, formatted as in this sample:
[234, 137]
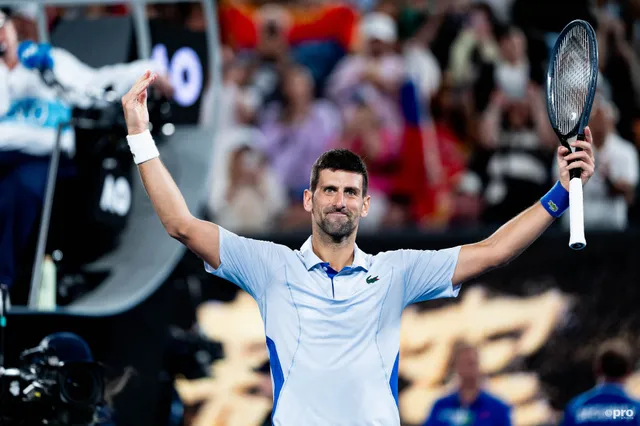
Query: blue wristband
[556, 201]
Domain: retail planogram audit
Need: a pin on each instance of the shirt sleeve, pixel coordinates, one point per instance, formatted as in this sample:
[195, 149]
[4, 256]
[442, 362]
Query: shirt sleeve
[428, 274]
[246, 262]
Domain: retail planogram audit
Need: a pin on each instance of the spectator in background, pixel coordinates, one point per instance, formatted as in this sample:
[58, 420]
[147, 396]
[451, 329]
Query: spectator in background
[453, 145]
[452, 17]
[512, 69]
[612, 366]
[25, 19]
[620, 68]
[474, 54]
[297, 130]
[421, 64]
[469, 404]
[512, 166]
[366, 86]
[234, 105]
[372, 77]
[30, 112]
[613, 185]
[501, 9]
[245, 195]
[269, 60]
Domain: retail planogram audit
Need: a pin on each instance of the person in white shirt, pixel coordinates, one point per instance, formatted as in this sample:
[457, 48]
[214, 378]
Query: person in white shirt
[332, 312]
[30, 111]
[613, 184]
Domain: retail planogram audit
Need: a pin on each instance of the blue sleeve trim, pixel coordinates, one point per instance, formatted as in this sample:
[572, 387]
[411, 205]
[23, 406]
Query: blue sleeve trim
[556, 201]
[393, 380]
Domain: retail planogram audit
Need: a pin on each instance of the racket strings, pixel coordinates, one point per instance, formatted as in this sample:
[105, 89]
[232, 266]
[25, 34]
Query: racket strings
[572, 74]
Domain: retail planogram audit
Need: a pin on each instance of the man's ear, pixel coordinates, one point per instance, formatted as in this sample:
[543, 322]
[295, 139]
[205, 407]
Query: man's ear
[308, 200]
[365, 206]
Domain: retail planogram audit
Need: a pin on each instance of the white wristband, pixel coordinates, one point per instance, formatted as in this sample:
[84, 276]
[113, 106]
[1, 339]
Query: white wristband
[142, 147]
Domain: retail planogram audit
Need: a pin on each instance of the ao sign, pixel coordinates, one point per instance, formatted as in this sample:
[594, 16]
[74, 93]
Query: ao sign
[184, 71]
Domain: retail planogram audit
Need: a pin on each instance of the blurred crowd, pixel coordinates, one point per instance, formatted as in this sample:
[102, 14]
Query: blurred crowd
[444, 99]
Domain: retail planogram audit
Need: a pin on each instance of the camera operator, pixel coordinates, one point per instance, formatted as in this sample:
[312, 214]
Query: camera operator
[31, 108]
[57, 383]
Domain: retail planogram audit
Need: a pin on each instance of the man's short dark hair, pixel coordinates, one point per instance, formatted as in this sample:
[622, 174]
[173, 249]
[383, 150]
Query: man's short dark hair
[614, 359]
[339, 159]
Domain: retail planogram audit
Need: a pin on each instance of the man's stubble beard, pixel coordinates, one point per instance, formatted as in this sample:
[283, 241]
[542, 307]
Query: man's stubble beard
[336, 232]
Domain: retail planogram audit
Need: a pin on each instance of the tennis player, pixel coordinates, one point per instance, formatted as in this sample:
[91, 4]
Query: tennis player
[332, 312]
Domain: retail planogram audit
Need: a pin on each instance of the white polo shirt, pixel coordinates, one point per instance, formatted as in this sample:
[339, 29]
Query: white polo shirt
[334, 337]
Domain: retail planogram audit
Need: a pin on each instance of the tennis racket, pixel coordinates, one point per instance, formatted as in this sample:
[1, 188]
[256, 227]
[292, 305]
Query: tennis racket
[572, 78]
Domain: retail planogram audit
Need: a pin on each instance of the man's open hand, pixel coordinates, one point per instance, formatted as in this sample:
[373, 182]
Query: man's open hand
[134, 104]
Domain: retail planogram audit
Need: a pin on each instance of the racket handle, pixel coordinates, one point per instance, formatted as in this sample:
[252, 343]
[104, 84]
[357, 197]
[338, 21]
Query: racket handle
[576, 173]
[577, 240]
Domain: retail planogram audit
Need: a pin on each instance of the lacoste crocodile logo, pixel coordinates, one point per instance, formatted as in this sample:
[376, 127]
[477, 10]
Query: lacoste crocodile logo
[371, 280]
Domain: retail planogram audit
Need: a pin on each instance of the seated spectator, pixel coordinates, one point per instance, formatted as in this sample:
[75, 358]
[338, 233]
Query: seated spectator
[475, 47]
[452, 149]
[612, 187]
[469, 404]
[372, 77]
[297, 130]
[421, 64]
[235, 104]
[245, 196]
[512, 69]
[251, 75]
[25, 20]
[512, 166]
[620, 68]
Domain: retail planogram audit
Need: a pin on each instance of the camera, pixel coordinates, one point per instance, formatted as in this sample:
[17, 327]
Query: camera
[57, 383]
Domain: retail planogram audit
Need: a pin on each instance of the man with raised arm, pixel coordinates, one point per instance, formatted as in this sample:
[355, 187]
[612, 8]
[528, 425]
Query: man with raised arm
[331, 311]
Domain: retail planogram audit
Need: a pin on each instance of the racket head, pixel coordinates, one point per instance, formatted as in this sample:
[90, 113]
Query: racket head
[572, 79]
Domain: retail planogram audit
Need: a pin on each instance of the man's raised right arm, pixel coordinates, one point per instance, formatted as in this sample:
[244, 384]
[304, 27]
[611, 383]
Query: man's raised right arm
[201, 237]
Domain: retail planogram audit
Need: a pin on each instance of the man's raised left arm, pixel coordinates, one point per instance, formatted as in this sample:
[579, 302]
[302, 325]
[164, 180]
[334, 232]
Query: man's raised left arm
[515, 236]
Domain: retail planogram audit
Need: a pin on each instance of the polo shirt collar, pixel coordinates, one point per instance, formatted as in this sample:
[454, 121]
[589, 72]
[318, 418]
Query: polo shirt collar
[612, 388]
[311, 260]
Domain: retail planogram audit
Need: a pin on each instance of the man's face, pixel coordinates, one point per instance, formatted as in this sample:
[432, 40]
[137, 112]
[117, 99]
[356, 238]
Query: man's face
[8, 35]
[338, 203]
[377, 47]
[467, 366]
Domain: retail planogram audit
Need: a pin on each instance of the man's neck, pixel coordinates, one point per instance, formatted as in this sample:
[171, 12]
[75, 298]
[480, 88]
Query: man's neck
[338, 255]
[610, 381]
[11, 61]
[468, 394]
